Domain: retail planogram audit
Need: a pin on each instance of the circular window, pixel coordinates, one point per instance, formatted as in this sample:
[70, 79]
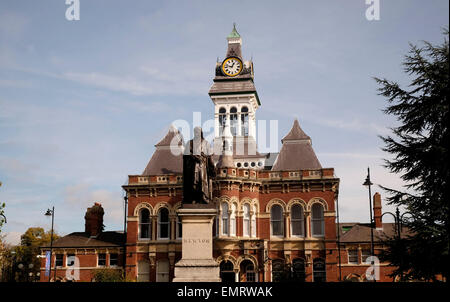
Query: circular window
[246, 165]
[260, 164]
[253, 164]
[238, 165]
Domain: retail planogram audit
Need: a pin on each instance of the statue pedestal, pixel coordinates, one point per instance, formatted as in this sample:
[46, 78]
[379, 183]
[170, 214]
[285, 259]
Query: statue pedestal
[197, 263]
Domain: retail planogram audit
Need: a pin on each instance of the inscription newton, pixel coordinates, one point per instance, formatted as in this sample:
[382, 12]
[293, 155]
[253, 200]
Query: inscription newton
[194, 241]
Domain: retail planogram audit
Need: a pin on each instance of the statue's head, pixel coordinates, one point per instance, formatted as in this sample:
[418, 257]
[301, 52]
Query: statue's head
[198, 133]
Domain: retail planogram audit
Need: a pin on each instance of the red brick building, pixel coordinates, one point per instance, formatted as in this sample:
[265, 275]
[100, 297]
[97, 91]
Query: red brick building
[78, 255]
[276, 212]
[270, 214]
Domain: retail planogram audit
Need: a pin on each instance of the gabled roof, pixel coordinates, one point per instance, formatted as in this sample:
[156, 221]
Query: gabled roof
[297, 152]
[360, 232]
[163, 160]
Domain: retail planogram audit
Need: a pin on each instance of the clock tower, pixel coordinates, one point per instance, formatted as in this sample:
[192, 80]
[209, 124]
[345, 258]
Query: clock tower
[235, 103]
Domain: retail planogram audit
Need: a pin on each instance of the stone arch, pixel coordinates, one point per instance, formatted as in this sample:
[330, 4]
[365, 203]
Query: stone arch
[247, 257]
[228, 258]
[353, 278]
[274, 202]
[243, 201]
[235, 200]
[142, 205]
[294, 201]
[317, 200]
[160, 205]
[224, 198]
[175, 207]
[255, 203]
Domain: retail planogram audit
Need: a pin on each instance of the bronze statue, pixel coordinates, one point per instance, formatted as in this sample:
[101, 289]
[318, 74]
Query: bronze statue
[198, 170]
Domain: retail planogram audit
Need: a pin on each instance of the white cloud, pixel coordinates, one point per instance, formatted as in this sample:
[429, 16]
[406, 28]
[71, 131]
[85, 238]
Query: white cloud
[13, 237]
[82, 196]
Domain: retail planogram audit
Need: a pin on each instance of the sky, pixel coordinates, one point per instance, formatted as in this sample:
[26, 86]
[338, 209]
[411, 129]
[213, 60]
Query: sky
[83, 102]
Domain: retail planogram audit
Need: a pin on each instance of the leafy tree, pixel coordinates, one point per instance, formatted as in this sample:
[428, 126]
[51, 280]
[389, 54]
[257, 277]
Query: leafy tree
[27, 251]
[420, 155]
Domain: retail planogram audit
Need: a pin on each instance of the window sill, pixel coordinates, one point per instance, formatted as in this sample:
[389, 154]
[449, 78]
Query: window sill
[272, 237]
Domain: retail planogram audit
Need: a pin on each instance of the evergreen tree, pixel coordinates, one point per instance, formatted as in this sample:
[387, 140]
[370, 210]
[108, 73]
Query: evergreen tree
[2, 213]
[420, 155]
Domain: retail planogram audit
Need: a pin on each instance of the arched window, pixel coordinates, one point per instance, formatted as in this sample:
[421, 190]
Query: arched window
[144, 224]
[227, 271]
[297, 222]
[247, 271]
[319, 271]
[277, 270]
[225, 230]
[233, 120]
[222, 119]
[253, 226]
[298, 270]
[244, 121]
[163, 224]
[276, 220]
[246, 227]
[162, 270]
[317, 225]
[233, 220]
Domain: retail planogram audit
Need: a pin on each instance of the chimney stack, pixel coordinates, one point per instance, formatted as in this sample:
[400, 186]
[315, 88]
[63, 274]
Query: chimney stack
[94, 220]
[377, 210]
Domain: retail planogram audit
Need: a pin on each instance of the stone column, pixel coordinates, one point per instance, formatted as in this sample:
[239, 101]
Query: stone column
[154, 222]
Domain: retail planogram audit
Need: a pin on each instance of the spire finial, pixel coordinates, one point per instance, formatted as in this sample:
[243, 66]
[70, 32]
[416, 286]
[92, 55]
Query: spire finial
[234, 33]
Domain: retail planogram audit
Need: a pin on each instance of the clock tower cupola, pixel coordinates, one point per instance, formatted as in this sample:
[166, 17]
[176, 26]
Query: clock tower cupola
[236, 100]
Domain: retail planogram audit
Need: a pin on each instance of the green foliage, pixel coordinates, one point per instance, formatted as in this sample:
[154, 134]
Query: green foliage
[420, 155]
[108, 275]
[2, 213]
[27, 251]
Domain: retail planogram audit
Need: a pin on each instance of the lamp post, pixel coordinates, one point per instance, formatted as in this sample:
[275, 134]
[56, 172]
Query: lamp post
[368, 184]
[51, 213]
[398, 224]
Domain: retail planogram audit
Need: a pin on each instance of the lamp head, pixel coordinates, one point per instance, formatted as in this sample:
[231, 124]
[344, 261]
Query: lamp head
[367, 182]
[49, 212]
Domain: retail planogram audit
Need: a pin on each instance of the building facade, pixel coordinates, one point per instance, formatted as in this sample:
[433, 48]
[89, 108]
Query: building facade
[276, 216]
[271, 215]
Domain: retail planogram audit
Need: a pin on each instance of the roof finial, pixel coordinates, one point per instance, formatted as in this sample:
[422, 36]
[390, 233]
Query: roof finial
[234, 33]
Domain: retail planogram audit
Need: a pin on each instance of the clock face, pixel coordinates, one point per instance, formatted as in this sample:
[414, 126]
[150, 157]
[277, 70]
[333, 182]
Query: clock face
[232, 67]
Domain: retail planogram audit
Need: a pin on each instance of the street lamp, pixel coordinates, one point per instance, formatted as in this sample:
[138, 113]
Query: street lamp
[368, 183]
[51, 213]
[398, 223]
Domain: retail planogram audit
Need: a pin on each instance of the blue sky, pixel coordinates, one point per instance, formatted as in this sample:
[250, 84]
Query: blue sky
[82, 103]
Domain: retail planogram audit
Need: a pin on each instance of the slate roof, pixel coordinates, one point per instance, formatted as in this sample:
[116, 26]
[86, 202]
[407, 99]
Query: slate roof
[232, 85]
[360, 232]
[83, 240]
[163, 160]
[297, 152]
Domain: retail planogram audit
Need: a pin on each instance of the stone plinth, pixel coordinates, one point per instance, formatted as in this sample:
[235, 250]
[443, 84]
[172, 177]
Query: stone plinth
[197, 263]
